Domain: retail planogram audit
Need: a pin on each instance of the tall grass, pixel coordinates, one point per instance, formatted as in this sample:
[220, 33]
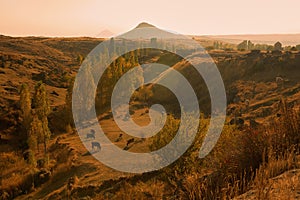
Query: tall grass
[242, 160]
[248, 159]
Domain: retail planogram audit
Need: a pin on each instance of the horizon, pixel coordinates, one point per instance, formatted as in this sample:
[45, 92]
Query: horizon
[287, 39]
[77, 19]
[116, 34]
[106, 31]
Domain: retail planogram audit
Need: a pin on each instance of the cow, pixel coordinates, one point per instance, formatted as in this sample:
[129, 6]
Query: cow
[91, 134]
[126, 118]
[237, 121]
[54, 93]
[71, 185]
[279, 81]
[119, 138]
[130, 141]
[247, 103]
[96, 146]
[253, 123]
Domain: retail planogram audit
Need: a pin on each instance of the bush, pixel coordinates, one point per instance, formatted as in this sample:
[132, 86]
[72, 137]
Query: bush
[240, 160]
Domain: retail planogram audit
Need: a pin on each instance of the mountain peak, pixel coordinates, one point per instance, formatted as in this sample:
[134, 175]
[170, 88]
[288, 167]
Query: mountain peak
[145, 25]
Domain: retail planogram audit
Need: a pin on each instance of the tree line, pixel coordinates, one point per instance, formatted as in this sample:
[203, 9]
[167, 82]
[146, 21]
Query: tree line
[34, 114]
[248, 45]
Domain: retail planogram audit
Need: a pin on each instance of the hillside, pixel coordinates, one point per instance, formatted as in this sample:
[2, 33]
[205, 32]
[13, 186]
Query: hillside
[32, 59]
[247, 77]
[253, 95]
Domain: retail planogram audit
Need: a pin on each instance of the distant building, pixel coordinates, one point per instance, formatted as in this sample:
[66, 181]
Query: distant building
[278, 46]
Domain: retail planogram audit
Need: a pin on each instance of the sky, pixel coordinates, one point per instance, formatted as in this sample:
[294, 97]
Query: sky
[194, 17]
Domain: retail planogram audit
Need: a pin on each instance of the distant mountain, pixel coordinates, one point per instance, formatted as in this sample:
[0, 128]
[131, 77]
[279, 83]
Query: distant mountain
[145, 25]
[147, 31]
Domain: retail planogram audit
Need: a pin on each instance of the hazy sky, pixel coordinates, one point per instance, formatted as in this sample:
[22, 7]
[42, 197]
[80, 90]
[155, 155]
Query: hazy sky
[90, 17]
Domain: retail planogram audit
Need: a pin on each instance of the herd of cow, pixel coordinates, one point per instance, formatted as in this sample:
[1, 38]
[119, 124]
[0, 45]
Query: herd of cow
[96, 145]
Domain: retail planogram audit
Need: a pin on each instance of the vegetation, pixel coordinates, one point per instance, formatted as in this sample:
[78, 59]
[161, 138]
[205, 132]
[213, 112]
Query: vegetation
[242, 160]
[25, 106]
[245, 163]
[42, 110]
[113, 73]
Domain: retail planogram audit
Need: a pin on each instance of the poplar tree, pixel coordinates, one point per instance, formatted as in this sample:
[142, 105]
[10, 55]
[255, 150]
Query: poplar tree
[25, 105]
[68, 107]
[35, 132]
[86, 89]
[42, 109]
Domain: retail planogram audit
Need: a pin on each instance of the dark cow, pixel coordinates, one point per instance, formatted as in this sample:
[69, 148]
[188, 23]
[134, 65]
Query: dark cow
[119, 138]
[130, 141]
[237, 121]
[279, 81]
[253, 123]
[91, 134]
[26, 155]
[54, 93]
[126, 118]
[96, 146]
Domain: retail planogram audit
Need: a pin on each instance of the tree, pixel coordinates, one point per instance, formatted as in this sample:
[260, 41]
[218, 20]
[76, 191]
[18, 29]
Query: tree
[138, 78]
[42, 110]
[263, 47]
[35, 133]
[112, 47]
[80, 59]
[25, 105]
[243, 45]
[46, 133]
[216, 45]
[86, 88]
[68, 106]
[153, 42]
[250, 45]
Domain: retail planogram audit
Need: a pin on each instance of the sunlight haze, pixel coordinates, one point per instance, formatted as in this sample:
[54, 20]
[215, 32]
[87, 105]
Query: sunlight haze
[91, 17]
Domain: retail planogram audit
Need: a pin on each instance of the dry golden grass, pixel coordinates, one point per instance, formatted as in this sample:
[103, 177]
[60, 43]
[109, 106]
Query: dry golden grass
[13, 170]
[141, 190]
[247, 159]
[277, 179]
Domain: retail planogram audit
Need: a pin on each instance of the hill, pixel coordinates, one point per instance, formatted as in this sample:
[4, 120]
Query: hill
[253, 95]
[30, 59]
